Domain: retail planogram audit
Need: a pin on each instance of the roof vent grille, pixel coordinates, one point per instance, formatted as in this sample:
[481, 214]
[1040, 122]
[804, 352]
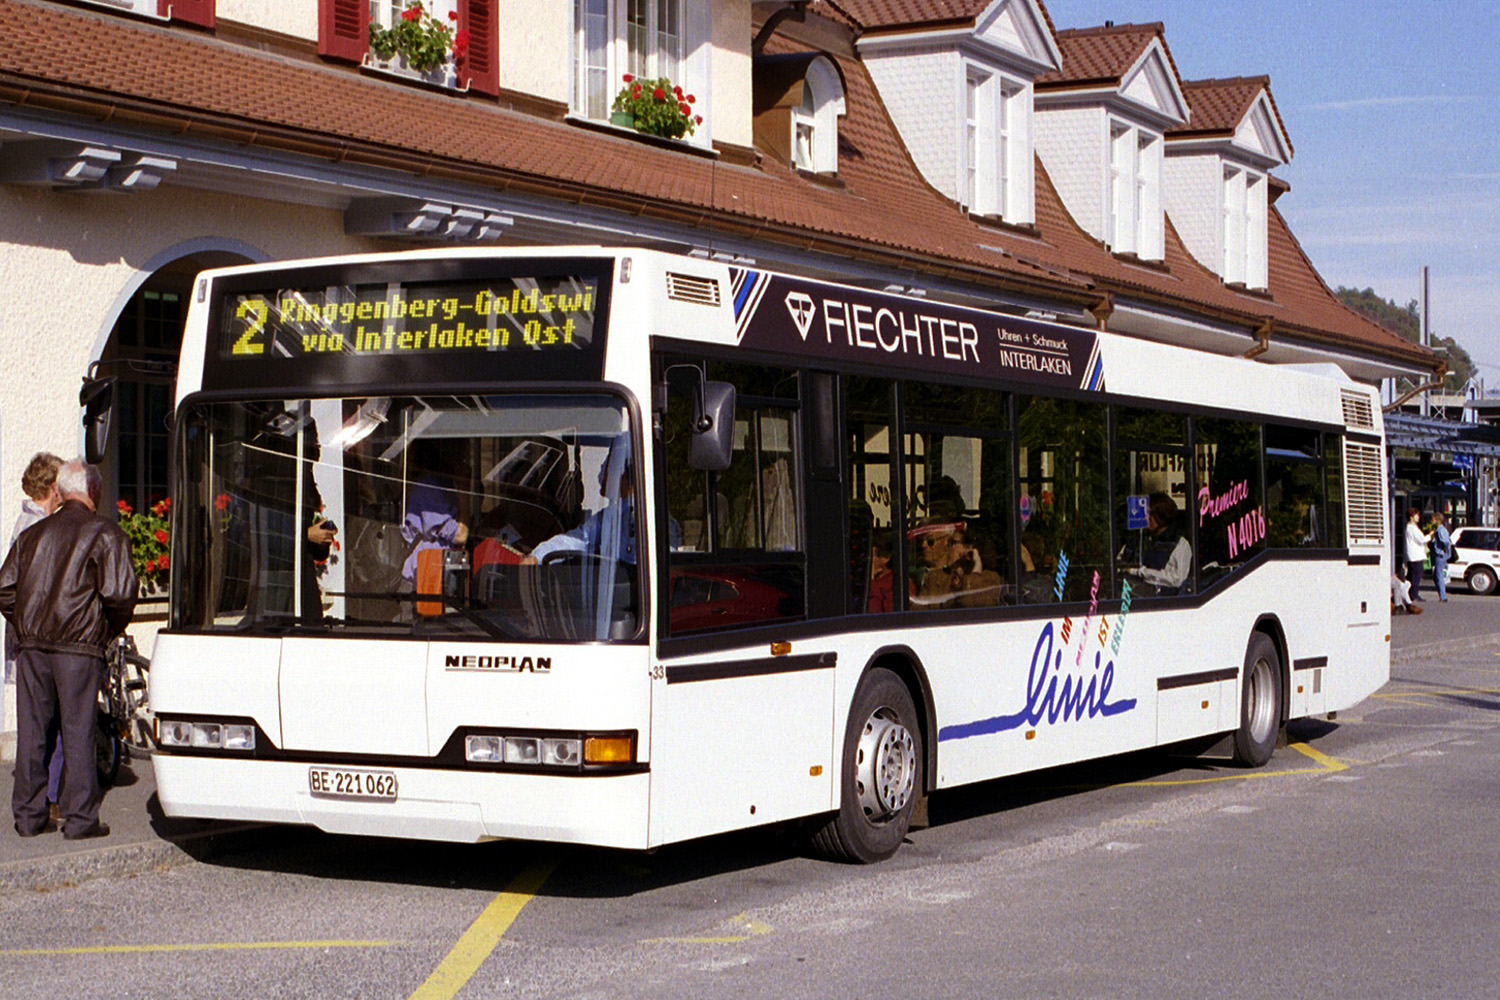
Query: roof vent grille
[1357, 412]
[691, 288]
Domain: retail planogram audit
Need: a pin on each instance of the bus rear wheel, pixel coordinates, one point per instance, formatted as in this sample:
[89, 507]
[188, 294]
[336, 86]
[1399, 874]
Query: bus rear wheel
[881, 774]
[1260, 703]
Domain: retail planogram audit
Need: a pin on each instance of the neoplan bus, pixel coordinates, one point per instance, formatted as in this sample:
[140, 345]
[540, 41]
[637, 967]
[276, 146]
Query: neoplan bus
[623, 548]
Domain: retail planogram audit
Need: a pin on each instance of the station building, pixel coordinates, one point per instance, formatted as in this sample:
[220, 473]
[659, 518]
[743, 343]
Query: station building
[968, 150]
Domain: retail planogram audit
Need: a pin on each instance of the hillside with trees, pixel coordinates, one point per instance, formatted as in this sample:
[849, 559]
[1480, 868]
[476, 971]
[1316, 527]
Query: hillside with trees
[1407, 323]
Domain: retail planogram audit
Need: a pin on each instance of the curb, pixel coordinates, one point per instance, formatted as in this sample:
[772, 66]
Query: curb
[65, 870]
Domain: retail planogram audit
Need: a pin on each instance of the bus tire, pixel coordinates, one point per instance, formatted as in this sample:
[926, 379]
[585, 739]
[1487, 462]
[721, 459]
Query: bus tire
[1481, 580]
[880, 775]
[1260, 703]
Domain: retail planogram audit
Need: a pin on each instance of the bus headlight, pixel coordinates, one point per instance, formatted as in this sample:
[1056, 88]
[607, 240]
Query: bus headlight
[572, 752]
[205, 735]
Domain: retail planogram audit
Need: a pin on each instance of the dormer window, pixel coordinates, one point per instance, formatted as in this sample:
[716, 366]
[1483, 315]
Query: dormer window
[815, 120]
[798, 100]
[1244, 239]
[648, 39]
[994, 111]
[1135, 214]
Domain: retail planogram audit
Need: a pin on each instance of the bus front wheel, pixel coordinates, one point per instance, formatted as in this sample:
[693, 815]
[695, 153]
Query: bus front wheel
[1260, 703]
[880, 774]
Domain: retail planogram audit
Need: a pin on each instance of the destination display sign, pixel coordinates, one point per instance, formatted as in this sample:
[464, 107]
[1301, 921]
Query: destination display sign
[775, 312]
[409, 322]
[459, 317]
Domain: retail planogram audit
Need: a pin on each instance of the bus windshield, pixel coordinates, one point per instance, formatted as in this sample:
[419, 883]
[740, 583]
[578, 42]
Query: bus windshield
[484, 515]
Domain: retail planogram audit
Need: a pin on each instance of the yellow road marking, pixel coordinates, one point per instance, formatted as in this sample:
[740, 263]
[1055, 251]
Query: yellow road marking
[1319, 757]
[133, 949]
[483, 935]
[752, 929]
[1328, 766]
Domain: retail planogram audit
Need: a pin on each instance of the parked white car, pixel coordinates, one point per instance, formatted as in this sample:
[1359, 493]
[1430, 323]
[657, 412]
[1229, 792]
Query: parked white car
[1476, 559]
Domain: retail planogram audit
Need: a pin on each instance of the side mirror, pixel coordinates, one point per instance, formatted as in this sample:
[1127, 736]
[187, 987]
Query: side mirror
[97, 398]
[712, 443]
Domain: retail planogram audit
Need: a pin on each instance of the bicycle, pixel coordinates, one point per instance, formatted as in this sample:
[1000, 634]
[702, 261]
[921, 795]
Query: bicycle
[124, 715]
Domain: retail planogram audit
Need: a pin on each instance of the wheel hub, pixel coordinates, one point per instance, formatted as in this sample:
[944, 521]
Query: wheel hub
[887, 766]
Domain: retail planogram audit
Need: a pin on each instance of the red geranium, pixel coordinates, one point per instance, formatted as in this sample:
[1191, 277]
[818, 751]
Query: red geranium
[627, 78]
[411, 14]
[656, 107]
[221, 502]
[162, 536]
[659, 94]
[123, 507]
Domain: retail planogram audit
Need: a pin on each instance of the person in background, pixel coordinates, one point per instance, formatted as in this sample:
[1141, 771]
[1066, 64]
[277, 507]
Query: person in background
[1416, 551]
[1400, 598]
[39, 484]
[69, 590]
[1442, 551]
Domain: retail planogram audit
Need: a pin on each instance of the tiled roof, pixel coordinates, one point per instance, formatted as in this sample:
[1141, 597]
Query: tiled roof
[1218, 106]
[887, 15]
[1102, 54]
[881, 210]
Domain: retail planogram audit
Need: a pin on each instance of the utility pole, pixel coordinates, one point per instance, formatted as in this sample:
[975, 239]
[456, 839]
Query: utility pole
[1425, 335]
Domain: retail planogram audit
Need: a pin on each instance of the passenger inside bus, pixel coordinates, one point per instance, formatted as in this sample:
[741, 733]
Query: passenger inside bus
[439, 471]
[1165, 558]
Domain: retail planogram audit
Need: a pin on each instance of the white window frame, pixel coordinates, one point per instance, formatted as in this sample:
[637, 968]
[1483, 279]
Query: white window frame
[993, 144]
[615, 37]
[1133, 213]
[815, 136]
[1244, 211]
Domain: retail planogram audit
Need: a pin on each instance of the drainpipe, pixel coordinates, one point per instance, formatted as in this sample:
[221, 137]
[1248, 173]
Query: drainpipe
[1439, 378]
[796, 10]
[1262, 336]
[1103, 310]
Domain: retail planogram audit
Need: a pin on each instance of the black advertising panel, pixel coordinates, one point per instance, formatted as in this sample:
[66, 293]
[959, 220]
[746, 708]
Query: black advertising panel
[805, 318]
[412, 322]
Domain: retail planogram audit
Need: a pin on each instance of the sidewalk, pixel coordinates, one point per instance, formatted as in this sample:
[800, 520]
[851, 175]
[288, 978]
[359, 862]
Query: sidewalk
[141, 838]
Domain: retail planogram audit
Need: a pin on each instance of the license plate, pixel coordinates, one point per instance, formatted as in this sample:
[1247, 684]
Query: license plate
[351, 783]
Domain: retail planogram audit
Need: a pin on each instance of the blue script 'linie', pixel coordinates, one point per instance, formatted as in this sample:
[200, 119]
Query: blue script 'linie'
[1051, 694]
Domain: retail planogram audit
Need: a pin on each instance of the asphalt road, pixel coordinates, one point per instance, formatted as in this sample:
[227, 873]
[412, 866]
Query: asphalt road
[1361, 862]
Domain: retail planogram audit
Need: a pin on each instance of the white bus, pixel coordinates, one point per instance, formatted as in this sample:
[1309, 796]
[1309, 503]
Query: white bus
[619, 547]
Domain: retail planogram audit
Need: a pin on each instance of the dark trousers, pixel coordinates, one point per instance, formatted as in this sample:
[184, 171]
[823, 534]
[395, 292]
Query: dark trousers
[66, 684]
[1414, 574]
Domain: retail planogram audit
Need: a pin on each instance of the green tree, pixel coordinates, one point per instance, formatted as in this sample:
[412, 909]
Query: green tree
[1407, 323]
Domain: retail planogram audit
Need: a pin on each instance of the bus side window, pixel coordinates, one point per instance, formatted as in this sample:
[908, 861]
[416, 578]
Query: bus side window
[874, 559]
[1153, 526]
[1063, 496]
[1294, 488]
[739, 560]
[1230, 507]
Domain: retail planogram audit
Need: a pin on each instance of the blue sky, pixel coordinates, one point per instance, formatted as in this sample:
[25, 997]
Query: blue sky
[1393, 111]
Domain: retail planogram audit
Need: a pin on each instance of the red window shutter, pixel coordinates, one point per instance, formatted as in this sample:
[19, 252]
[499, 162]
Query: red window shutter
[343, 29]
[481, 65]
[199, 12]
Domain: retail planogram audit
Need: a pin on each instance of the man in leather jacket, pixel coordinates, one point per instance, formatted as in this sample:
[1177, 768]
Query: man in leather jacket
[68, 589]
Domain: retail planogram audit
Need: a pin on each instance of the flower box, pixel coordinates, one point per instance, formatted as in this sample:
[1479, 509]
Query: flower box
[443, 76]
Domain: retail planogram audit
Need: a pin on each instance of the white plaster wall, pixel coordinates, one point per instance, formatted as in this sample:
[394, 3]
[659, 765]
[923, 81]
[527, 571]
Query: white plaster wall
[923, 93]
[731, 102]
[298, 18]
[66, 260]
[1191, 189]
[536, 47]
[1071, 144]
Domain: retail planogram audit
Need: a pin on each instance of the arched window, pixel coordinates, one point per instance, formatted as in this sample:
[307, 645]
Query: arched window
[815, 136]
